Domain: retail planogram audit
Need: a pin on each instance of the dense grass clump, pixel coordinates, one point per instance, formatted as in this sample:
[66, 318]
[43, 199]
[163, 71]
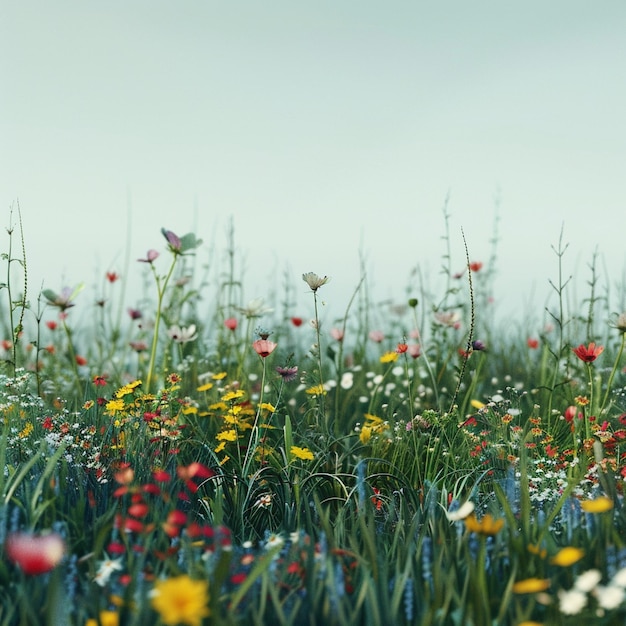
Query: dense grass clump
[192, 457]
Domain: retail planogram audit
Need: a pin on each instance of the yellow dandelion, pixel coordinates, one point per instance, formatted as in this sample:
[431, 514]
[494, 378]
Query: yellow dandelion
[267, 406]
[531, 585]
[181, 600]
[316, 390]
[219, 376]
[599, 505]
[190, 410]
[567, 556]
[389, 357]
[233, 395]
[113, 406]
[205, 387]
[218, 406]
[227, 435]
[301, 453]
[477, 404]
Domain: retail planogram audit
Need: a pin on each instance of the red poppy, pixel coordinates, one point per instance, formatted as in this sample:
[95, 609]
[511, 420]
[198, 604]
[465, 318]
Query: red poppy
[589, 353]
[231, 323]
[51, 324]
[112, 276]
[532, 343]
[475, 266]
[264, 347]
[296, 321]
[402, 348]
[81, 360]
[35, 554]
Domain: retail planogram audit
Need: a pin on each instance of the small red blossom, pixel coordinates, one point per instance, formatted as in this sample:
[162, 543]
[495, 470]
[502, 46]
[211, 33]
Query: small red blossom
[475, 266]
[296, 321]
[231, 323]
[532, 343]
[589, 353]
[99, 381]
[81, 360]
[402, 348]
[112, 276]
[336, 334]
[35, 554]
[135, 314]
[51, 324]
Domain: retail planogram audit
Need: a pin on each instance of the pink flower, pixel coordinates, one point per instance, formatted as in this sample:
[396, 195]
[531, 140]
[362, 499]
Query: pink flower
[377, 335]
[231, 323]
[35, 554]
[415, 350]
[336, 334]
[264, 347]
[150, 257]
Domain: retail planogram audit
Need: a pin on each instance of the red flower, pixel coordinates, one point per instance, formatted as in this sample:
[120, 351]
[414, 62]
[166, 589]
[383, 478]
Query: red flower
[112, 276]
[51, 324]
[296, 321]
[589, 353]
[81, 360]
[402, 348]
[231, 323]
[532, 343]
[99, 381]
[264, 347]
[35, 554]
[475, 266]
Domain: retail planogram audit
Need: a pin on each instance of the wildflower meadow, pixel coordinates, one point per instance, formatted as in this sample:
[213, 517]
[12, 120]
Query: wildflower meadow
[184, 454]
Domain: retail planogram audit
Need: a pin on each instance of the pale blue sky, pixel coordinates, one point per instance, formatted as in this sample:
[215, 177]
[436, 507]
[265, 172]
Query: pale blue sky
[323, 128]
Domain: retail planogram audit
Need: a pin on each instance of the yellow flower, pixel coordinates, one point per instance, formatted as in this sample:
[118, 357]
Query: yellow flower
[486, 526]
[302, 453]
[205, 387]
[113, 406]
[220, 447]
[529, 623]
[316, 390]
[477, 404]
[224, 460]
[190, 409]
[599, 505]
[27, 430]
[219, 376]
[218, 406]
[389, 357]
[107, 618]
[227, 435]
[373, 418]
[181, 600]
[88, 405]
[365, 434]
[268, 406]
[531, 585]
[538, 550]
[567, 556]
[233, 395]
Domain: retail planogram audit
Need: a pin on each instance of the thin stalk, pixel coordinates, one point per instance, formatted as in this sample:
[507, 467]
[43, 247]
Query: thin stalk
[613, 372]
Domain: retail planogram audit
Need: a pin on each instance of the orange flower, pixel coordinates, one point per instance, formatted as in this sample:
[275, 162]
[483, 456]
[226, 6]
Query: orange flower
[486, 526]
[589, 353]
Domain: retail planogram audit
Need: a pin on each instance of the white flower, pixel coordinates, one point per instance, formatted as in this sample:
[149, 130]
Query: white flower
[274, 541]
[572, 602]
[347, 380]
[462, 512]
[620, 578]
[180, 334]
[609, 597]
[588, 580]
[255, 308]
[314, 281]
[448, 318]
[105, 569]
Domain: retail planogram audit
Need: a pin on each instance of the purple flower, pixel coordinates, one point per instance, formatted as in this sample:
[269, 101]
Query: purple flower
[288, 373]
[150, 257]
[172, 239]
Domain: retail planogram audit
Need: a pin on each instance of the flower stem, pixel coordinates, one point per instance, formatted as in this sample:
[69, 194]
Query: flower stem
[157, 320]
[613, 371]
